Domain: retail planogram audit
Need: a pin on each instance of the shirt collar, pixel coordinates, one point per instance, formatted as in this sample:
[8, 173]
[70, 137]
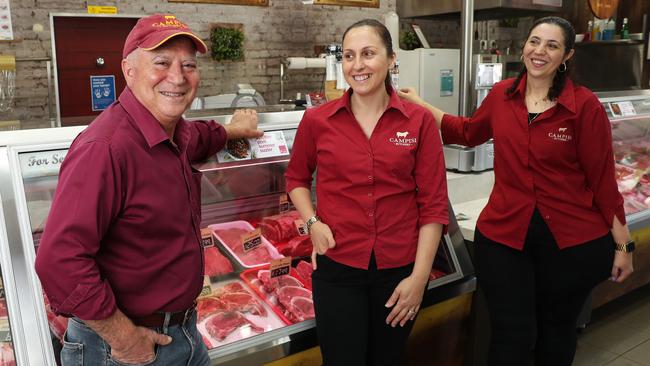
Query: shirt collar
[148, 125]
[344, 102]
[566, 98]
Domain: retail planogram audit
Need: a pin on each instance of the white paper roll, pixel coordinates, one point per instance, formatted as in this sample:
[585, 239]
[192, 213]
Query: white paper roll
[304, 63]
[330, 67]
[391, 21]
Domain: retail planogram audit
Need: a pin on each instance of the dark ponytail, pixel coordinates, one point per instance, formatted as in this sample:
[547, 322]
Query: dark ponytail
[560, 76]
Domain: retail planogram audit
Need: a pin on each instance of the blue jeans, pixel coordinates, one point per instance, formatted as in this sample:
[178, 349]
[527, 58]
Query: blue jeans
[83, 347]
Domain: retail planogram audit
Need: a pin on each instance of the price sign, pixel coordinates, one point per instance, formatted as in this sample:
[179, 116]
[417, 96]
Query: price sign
[207, 240]
[252, 240]
[207, 287]
[301, 227]
[280, 267]
[284, 203]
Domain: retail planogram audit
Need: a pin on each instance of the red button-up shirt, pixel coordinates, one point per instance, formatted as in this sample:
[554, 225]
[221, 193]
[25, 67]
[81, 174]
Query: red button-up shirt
[562, 163]
[123, 229]
[373, 193]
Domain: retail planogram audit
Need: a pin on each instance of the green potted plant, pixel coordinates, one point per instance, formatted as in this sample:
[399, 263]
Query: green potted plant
[227, 44]
[410, 40]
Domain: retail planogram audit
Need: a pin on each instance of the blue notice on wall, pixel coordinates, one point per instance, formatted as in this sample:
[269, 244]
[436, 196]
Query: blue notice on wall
[102, 90]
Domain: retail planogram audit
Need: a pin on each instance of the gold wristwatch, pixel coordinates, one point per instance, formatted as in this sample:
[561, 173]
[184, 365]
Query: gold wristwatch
[626, 248]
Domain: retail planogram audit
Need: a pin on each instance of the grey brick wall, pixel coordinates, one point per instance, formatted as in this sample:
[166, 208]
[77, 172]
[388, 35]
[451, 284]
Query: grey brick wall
[284, 28]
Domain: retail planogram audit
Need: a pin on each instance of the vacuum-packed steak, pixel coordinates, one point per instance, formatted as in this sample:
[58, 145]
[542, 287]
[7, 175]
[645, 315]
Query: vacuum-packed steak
[224, 323]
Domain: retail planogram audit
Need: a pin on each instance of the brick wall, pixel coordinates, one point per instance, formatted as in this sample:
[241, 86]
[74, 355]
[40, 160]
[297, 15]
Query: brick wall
[284, 28]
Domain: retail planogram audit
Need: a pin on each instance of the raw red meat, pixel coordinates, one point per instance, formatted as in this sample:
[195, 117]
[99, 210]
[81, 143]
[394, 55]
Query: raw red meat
[215, 263]
[300, 309]
[209, 305]
[270, 284]
[224, 323]
[7, 354]
[232, 238]
[297, 302]
[232, 287]
[3, 308]
[280, 227]
[301, 246]
[243, 301]
[230, 297]
[305, 270]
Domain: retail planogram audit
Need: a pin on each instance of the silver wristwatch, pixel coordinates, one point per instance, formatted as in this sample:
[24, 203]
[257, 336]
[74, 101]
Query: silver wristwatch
[311, 221]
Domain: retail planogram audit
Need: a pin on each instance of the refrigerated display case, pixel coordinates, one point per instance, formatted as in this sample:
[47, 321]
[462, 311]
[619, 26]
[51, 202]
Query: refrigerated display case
[241, 191]
[629, 114]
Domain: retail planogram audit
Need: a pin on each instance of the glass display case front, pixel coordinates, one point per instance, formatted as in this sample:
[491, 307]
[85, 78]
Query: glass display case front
[630, 120]
[256, 304]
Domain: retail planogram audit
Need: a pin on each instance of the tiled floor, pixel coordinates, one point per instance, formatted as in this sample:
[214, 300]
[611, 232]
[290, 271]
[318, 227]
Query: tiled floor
[619, 333]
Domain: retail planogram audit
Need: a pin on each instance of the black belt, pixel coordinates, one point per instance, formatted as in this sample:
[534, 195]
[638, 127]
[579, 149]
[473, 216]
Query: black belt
[157, 320]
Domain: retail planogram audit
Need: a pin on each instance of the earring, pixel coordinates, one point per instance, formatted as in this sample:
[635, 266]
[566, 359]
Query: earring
[560, 69]
[521, 57]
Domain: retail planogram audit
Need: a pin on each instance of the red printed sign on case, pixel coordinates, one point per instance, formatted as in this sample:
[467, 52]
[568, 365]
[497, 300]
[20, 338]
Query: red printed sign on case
[252, 240]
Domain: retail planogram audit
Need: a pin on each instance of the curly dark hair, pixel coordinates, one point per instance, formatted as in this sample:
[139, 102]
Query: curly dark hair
[383, 34]
[560, 77]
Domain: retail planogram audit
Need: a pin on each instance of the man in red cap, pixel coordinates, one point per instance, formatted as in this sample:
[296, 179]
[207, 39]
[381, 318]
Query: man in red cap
[122, 253]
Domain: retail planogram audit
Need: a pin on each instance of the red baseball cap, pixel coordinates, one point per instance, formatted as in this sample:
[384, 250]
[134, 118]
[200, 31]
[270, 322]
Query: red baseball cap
[152, 31]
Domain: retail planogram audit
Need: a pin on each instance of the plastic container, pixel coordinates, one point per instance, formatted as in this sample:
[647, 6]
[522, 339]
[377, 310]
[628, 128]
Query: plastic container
[250, 259]
[268, 322]
[250, 277]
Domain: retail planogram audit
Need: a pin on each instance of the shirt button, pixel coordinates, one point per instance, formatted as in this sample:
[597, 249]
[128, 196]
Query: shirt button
[370, 213]
[370, 177]
[369, 194]
[547, 217]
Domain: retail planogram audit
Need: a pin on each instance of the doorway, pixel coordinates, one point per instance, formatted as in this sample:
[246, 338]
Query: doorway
[87, 53]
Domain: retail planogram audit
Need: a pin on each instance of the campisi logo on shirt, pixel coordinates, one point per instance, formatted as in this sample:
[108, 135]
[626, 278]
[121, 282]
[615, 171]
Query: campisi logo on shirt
[560, 135]
[401, 139]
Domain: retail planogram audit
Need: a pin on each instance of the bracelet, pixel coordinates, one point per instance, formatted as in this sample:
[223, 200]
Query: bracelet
[626, 248]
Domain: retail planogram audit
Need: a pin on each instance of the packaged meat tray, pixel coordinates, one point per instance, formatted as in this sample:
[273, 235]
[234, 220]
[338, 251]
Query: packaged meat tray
[230, 233]
[289, 295]
[233, 312]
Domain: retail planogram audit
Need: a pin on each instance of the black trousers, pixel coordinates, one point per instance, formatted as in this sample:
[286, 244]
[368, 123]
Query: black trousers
[534, 296]
[351, 316]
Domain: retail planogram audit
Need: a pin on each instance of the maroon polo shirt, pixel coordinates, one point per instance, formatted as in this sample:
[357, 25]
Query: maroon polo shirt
[375, 193]
[562, 163]
[123, 230]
